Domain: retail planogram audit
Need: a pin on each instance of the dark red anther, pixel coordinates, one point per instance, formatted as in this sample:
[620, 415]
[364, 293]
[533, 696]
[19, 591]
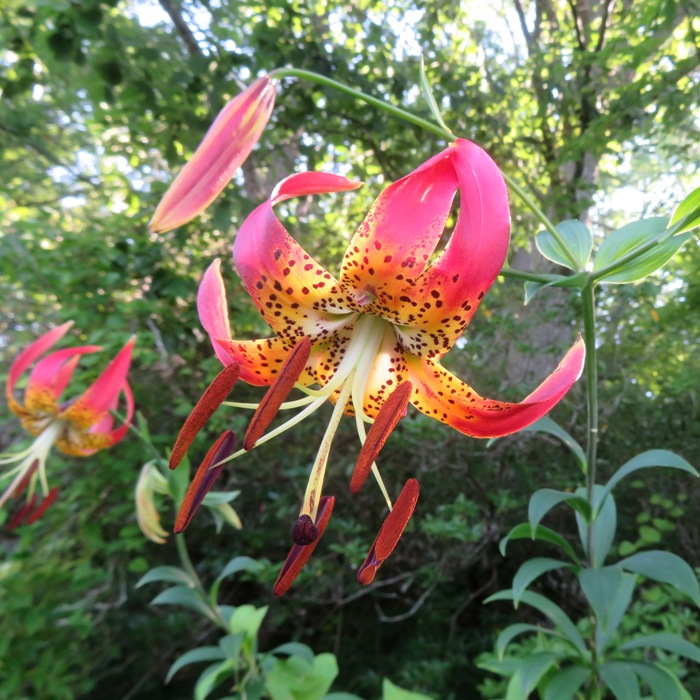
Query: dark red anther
[290, 371]
[25, 479]
[387, 418]
[299, 554]
[204, 479]
[43, 506]
[304, 532]
[19, 517]
[204, 409]
[390, 532]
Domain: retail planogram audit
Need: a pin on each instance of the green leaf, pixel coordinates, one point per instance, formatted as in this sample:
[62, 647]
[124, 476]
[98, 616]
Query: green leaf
[549, 609]
[603, 526]
[511, 632]
[170, 574]
[665, 568]
[393, 692]
[298, 679]
[295, 649]
[575, 236]
[532, 569]
[609, 592]
[215, 498]
[231, 645]
[341, 696]
[646, 460]
[666, 641]
[630, 237]
[547, 425]
[533, 667]
[241, 563]
[210, 678]
[564, 684]
[577, 281]
[543, 500]
[664, 685]
[187, 597]
[542, 533]
[194, 656]
[687, 214]
[247, 619]
[621, 678]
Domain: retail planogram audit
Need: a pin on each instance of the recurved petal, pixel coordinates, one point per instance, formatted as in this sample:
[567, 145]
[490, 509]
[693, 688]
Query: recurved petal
[50, 377]
[226, 145]
[393, 244]
[451, 289]
[441, 395]
[299, 554]
[434, 311]
[89, 408]
[295, 295]
[30, 354]
[212, 308]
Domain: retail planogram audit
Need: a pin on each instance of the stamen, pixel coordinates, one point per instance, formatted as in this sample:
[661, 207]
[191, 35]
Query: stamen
[43, 506]
[390, 532]
[387, 418]
[318, 471]
[299, 554]
[317, 403]
[375, 470]
[304, 531]
[204, 409]
[22, 513]
[286, 406]
[25, 479]
[279, 390]
[204, 479]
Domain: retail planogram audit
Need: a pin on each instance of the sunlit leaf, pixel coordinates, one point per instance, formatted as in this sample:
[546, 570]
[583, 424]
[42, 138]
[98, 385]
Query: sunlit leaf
[577, 239]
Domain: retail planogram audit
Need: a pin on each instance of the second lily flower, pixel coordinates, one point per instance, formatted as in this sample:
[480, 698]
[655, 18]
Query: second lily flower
[371, 340]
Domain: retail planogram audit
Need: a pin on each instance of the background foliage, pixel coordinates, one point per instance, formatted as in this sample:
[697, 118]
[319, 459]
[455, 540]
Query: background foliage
[592, 106]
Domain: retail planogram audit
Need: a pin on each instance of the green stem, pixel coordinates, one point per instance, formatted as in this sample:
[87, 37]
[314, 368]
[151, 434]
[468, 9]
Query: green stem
[589, 338]
[436, 129]
[509, 272]
[341, 87]
[192, 573]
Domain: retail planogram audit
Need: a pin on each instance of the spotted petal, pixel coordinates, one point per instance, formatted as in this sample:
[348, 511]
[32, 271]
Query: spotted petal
[89, 408]
[393, 244]
[432, 305]
[295, 294]
[28, 356]
[441, 395]
[50, 377]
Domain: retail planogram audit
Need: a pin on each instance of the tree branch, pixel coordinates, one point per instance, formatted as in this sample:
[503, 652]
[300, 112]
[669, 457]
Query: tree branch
[182, 29]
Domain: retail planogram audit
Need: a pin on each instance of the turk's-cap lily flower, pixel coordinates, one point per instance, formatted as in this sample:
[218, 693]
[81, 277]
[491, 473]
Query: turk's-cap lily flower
[371, 340]
[78, 427]
[225, 146]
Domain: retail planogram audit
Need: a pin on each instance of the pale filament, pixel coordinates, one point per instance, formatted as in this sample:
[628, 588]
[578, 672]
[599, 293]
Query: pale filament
[351, 378]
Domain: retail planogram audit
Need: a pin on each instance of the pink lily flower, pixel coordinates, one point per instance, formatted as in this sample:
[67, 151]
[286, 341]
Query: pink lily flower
[78, 427]
[225, 146]
[371, 340]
